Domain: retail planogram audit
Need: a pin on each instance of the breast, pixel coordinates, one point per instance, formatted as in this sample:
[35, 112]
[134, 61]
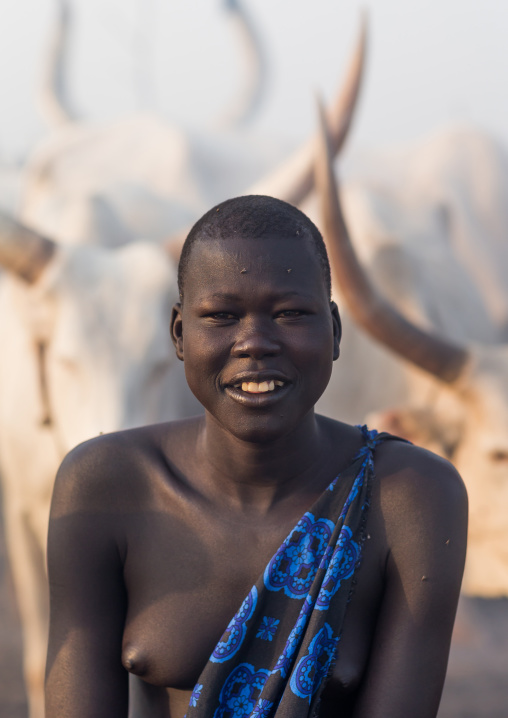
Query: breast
[346, 677]
[356, 640]
[341, 689]
[182, 592]
[168, 643]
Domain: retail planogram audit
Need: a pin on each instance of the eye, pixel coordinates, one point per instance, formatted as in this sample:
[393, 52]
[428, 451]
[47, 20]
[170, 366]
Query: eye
[291, 313]
[499, 455]
[221, 317]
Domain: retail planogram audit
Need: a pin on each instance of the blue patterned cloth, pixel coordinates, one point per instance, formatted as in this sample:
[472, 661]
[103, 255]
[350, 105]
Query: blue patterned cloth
[277, 651]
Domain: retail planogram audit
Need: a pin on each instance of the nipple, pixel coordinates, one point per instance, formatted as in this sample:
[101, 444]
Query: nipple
[133, 661]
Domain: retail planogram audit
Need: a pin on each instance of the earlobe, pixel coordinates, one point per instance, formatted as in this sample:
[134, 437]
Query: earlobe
[337, 330]
[176, 329]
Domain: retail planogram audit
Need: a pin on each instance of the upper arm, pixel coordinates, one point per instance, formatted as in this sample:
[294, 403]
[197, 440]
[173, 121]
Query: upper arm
[424, 507]
[84, 674]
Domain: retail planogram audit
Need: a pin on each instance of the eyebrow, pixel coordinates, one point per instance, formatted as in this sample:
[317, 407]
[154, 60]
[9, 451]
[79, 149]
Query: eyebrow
[225, 296]
[286, 295]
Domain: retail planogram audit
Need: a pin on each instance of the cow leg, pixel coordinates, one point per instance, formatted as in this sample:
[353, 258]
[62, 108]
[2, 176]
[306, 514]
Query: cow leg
[27, 562]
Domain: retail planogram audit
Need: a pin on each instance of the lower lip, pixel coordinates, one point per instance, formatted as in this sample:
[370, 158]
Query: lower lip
[257, 401]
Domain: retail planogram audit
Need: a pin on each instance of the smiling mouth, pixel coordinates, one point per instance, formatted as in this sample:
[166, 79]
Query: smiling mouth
[258, 394]
[263, 387]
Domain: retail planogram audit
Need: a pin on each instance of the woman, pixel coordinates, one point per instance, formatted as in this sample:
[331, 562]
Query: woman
[250, 562]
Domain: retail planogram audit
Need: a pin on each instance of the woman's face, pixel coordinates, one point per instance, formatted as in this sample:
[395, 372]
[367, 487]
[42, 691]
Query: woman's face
[257, 333]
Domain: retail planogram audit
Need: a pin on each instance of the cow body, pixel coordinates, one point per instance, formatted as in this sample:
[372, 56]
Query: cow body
[138, 178]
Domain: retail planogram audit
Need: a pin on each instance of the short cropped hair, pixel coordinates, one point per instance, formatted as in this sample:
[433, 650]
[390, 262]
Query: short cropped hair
[254, 217]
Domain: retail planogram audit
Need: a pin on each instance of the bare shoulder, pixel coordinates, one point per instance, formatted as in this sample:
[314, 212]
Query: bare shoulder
[422, 504]
[114, 469]
[412, 477]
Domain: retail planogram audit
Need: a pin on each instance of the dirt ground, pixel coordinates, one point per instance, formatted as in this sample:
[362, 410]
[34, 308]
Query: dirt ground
[476, 685]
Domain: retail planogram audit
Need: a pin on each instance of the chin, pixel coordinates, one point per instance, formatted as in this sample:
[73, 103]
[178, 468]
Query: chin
[263, 430]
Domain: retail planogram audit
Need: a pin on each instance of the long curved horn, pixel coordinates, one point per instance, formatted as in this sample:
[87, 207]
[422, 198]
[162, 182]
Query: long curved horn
[247, 103]
[23, 251]
[293, 180]
[381, 320]
[52, 100]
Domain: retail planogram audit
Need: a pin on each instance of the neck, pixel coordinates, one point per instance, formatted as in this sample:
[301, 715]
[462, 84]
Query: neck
[256, 475]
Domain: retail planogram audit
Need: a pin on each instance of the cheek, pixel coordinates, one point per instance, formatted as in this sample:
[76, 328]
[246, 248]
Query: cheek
[202, 363]
[315, 357]
[321, 373]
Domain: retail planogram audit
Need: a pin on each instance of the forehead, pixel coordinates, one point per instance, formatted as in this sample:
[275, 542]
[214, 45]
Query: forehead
[286, 262]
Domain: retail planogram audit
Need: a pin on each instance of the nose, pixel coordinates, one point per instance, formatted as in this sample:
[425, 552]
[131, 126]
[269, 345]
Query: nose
[256, 340]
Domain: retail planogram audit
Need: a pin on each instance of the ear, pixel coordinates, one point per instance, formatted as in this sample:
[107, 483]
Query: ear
[337, 330]
[176, 329]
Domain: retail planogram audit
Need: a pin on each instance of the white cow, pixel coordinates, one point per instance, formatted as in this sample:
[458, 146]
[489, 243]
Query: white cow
[429, 283]
[84, 325]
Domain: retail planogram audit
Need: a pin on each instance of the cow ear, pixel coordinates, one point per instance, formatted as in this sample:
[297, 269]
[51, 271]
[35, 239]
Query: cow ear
[176, 328]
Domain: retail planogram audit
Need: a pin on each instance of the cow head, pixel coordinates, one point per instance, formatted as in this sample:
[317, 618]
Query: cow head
[97, 321]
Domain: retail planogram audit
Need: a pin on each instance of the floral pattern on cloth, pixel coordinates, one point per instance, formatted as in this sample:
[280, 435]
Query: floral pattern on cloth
[239, 695]
[268, 628]
[294, 566]
[274, 657]
[195, 694]
[312, 668]
[284, 662]
[236, 630]
[345, 558]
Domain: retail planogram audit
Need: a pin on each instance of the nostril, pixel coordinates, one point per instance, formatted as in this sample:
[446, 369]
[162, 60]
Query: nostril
[255, 354]
[255, 346]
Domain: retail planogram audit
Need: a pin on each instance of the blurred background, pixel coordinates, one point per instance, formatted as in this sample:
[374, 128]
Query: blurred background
[430, 65]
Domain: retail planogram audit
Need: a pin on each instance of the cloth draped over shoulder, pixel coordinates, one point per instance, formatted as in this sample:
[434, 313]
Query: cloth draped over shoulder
[278, 650]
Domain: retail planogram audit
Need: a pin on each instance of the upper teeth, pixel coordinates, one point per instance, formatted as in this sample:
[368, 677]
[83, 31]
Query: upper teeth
[252, 387]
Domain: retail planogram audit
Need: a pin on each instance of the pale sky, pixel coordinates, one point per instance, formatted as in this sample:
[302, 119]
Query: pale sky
[431, 62]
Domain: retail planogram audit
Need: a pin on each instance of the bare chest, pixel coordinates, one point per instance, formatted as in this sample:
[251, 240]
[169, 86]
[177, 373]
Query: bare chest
[186, 579]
